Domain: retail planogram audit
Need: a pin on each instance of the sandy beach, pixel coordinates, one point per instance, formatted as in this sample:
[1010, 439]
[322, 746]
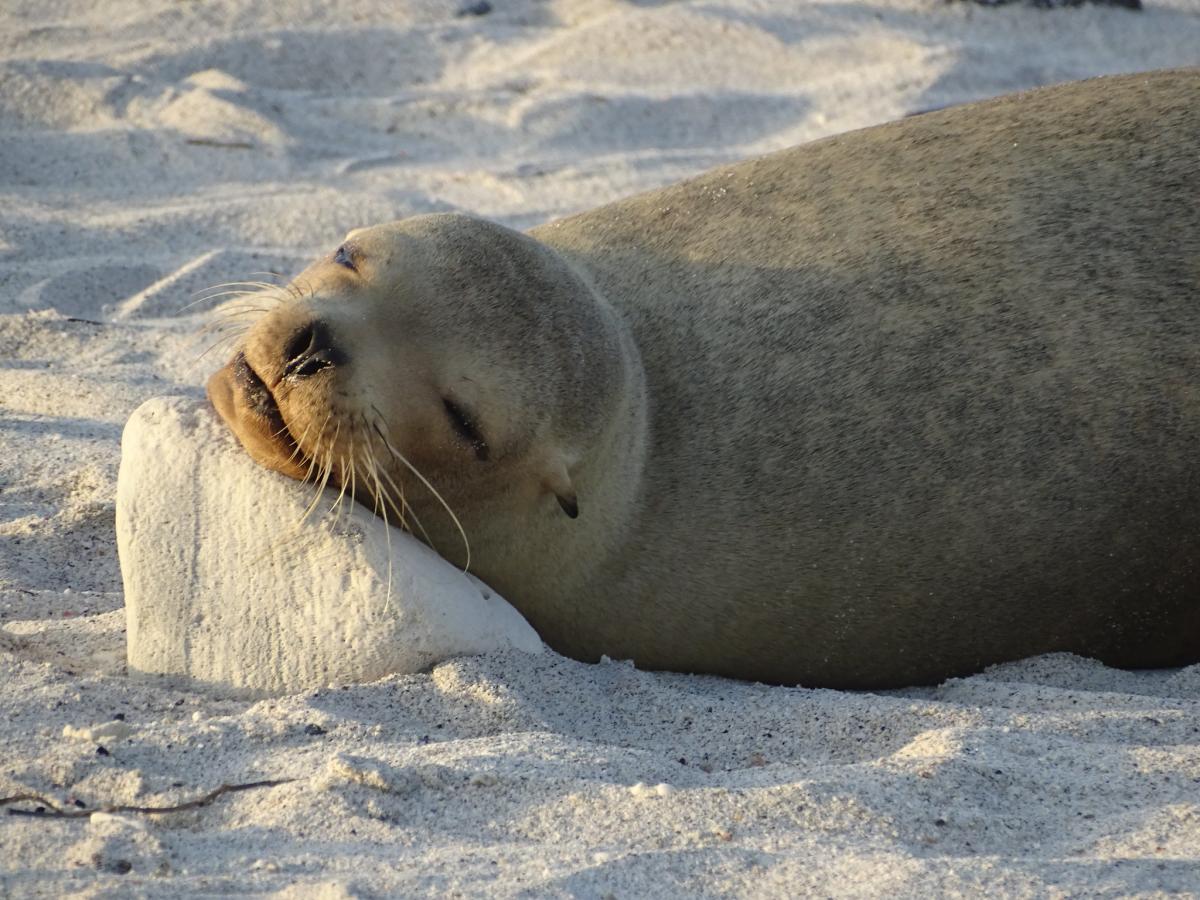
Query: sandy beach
[150, 150]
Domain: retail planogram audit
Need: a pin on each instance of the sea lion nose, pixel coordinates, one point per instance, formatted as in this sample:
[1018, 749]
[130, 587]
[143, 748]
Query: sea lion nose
[309, 350]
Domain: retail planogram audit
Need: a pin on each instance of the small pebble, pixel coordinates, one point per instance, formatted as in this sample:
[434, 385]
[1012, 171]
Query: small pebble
[313, 728]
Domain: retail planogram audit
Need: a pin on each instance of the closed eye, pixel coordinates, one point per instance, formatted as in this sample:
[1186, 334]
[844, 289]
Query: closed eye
[344, 256]
[461, 422]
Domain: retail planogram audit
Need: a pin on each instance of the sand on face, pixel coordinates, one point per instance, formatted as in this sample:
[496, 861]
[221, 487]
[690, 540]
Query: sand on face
[148, 150]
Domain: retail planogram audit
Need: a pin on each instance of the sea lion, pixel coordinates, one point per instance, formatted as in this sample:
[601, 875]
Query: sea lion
[875, 411]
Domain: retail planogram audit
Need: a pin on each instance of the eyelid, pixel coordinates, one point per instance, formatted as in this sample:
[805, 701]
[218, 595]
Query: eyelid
[464, 423]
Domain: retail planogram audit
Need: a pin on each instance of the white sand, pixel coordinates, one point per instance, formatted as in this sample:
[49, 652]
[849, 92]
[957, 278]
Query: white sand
[149, 148]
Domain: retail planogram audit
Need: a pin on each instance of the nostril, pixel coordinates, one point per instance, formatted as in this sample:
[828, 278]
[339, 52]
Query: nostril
[311, 365]
[310, 350]
[299, 343]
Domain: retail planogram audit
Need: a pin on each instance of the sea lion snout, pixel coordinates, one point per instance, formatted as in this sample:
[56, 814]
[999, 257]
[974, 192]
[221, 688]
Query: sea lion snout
[310, 349]
[247, 405]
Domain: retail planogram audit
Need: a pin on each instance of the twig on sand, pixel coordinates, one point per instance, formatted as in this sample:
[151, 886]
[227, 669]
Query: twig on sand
[48, 808]
[213, 142]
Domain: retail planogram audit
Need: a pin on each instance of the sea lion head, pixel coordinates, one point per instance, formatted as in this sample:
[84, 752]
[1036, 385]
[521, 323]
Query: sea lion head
[436, 363]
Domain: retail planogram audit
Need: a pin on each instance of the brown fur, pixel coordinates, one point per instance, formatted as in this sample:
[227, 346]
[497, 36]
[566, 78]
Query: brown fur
[873, 411]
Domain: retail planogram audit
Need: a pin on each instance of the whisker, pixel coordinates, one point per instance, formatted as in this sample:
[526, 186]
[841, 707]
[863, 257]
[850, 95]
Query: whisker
[408, 510]
[296, 449]
[403, 511]
[259, 287]
[238, 311]
[374, 470]
[383, 500]
[206, 299]
[425, 481]
[327, 470]
[316, 450]
[337, 508]
[222, 328]
[224, 340]
[323, 471]
[380, 511]
[226, 321]
[387, 537]
[372, 476]
[235, 287]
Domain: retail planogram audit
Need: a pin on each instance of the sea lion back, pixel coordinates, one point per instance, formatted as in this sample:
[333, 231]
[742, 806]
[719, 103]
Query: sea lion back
[922, 396]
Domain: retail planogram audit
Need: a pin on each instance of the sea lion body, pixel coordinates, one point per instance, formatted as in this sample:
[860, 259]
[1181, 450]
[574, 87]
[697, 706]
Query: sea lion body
[874, 411]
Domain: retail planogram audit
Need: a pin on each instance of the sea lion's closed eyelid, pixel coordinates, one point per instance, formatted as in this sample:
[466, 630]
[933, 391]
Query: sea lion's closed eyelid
[466, 428]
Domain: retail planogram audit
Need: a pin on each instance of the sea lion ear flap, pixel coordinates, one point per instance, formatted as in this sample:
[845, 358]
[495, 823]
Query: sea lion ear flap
[557, 481]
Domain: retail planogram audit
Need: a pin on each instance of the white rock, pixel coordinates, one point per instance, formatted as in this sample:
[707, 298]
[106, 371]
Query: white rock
[225, 587]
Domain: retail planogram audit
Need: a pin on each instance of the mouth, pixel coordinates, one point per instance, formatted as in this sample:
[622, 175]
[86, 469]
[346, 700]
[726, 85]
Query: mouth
[250, 410]
[259, 400]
